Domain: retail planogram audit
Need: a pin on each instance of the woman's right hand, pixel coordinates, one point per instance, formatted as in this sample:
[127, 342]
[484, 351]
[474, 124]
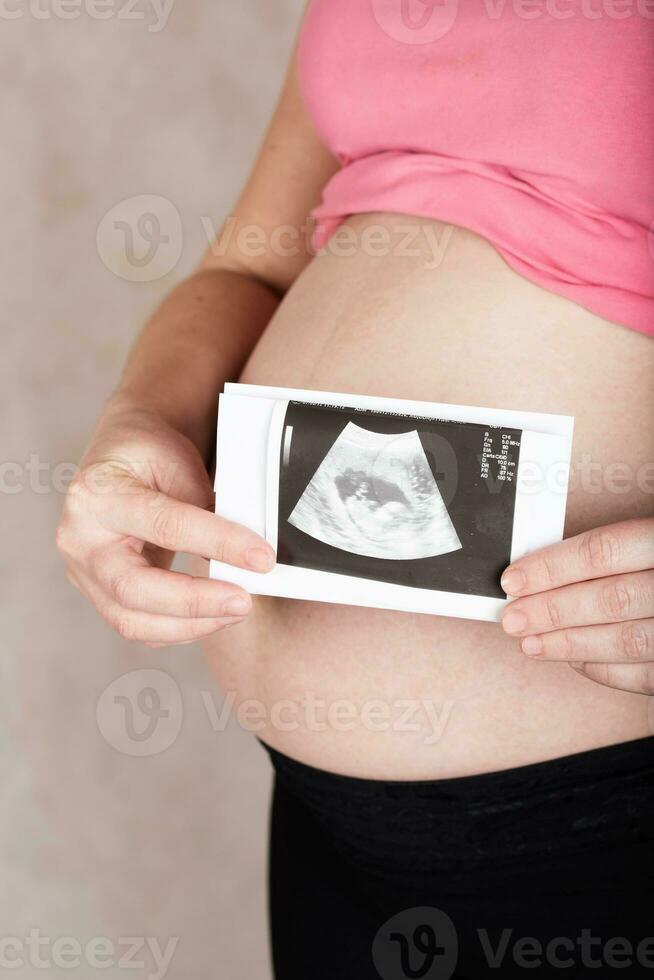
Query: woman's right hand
[142, 493]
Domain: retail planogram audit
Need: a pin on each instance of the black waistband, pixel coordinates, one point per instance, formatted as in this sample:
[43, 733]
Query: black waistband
[584, 800]
[602, 765]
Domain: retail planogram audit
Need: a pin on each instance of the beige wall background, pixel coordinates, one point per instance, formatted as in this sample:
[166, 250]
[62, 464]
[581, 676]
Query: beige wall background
[103, 102]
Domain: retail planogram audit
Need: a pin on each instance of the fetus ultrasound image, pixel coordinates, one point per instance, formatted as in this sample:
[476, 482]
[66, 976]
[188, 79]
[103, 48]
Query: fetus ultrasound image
[418, 502]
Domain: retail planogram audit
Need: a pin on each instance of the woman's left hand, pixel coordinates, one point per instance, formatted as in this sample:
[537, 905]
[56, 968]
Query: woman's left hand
[589, 600]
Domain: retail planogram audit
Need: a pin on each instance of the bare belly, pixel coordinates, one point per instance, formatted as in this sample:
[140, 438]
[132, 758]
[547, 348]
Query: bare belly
[398, 696]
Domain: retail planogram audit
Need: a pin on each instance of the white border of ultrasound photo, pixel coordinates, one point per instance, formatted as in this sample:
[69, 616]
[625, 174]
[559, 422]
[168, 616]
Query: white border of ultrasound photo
[250, 423]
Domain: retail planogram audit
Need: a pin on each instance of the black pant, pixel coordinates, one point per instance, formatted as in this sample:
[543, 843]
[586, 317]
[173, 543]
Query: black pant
[543, 870]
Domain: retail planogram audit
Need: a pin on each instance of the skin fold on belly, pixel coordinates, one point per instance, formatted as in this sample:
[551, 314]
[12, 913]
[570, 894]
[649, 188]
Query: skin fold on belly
[380, 694]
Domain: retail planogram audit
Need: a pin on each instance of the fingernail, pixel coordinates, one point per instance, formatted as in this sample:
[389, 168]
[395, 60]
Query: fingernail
[514, 621]
[513, 581]
[532, 646]
[260, 559]
[236, 606]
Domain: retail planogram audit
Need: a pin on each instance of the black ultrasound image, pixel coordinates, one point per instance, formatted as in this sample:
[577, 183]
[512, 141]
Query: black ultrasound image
[412, 501]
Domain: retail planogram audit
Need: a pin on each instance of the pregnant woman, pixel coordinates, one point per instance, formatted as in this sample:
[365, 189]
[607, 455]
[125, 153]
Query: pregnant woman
[451, 797]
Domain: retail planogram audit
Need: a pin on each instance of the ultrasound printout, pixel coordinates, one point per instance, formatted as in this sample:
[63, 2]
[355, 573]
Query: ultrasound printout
[413, 501]
[374, 494]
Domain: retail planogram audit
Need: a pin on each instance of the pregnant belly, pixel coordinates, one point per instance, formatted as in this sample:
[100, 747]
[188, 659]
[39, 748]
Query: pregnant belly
[391, 695]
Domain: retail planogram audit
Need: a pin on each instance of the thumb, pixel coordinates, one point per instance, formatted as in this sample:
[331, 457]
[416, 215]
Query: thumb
[183, 475]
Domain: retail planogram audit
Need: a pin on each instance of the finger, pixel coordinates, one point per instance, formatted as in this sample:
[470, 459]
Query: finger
[611, 550]
[636, 678]
[143, 627]
[615, 599]
[629, 643]
[130, 581]
[150, 628]
[176, 526]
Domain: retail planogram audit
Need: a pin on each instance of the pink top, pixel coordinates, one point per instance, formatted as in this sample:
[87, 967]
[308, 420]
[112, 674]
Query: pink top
[530, 122]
